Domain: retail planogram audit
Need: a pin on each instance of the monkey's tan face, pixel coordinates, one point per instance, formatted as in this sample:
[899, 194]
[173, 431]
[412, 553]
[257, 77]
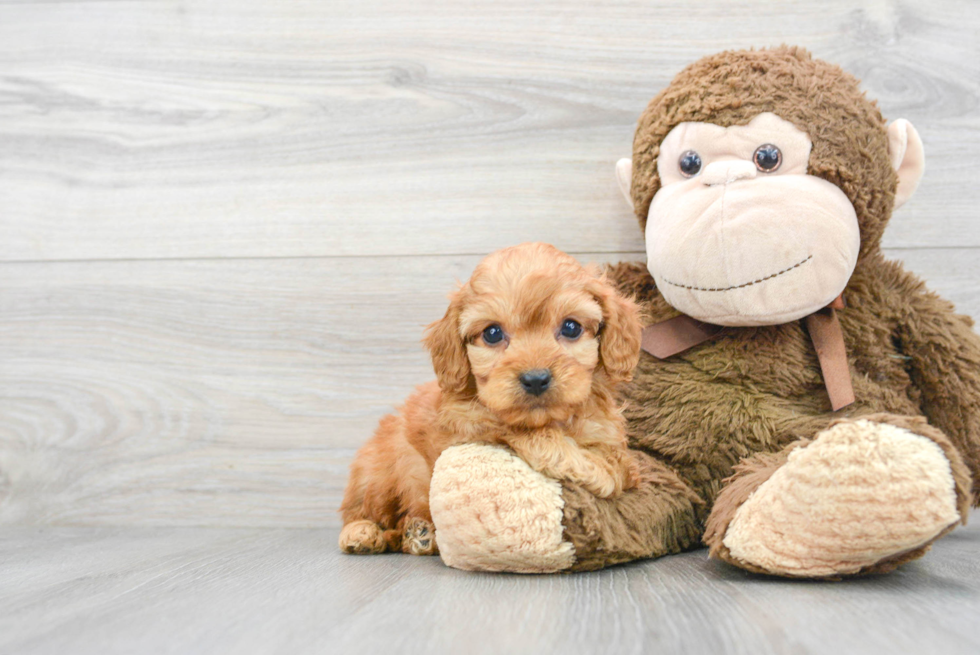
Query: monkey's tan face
[739, 234]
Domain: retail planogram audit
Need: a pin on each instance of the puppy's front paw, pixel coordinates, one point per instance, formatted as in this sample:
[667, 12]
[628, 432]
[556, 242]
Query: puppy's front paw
[603, 486]
[632, 480]
[419, 538]
[610, 478]
[362, 538]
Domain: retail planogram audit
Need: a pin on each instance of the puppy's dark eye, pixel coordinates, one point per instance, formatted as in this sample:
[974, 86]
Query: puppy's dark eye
[571, 329]
[493, 334]
[767, 158]
[689, 163]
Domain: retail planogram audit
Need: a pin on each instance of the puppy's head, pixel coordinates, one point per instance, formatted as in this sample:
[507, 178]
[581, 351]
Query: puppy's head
[533, 334]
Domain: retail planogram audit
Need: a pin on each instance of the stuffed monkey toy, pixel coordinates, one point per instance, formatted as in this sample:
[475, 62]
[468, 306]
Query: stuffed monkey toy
[805, 407]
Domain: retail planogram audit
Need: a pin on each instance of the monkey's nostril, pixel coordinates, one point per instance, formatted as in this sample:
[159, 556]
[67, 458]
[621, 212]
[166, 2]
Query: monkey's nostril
[536, 381]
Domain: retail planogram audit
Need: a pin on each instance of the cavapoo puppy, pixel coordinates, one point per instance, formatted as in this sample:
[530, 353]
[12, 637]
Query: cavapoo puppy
[527, 356]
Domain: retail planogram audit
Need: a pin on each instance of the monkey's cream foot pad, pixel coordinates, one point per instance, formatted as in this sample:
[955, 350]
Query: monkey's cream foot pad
[493, 512]
[861, 493]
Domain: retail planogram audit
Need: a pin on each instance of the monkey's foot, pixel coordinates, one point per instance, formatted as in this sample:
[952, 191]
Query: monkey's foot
[863, 496]
[493, 512]
[419, 538]
[362, 538]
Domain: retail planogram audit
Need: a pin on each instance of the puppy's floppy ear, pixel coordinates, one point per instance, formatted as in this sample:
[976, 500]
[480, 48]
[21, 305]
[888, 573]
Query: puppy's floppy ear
[619, 339]
[447, 348]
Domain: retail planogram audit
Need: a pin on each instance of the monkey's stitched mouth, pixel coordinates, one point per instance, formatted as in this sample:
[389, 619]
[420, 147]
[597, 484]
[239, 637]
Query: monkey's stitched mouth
[739, 286]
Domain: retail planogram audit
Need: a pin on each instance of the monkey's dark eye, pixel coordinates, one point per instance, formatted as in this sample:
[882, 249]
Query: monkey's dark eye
[690, 163]
[767, 158]
[493, 334]
[571, 329]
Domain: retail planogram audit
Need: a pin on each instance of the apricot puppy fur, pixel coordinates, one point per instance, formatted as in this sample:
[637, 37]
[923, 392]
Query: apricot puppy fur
[528, 356]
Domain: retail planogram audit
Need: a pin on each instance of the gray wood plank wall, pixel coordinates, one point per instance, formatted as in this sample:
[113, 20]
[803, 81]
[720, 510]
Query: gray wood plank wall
[223, 224]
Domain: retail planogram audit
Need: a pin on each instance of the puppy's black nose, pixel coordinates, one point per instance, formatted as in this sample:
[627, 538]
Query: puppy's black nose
[535, 382]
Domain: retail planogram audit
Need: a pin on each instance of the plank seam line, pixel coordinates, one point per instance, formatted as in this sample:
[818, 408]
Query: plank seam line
[638, 253]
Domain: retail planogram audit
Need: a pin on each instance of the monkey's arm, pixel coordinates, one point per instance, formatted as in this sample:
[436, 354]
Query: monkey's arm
[658, 517]
[943, 360]
[493, 512]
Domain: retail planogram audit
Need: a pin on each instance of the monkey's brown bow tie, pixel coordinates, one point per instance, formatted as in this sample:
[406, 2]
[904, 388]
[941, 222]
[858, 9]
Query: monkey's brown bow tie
[682, 332]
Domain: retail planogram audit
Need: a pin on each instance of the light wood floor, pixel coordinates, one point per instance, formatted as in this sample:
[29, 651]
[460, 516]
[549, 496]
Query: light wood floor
[223, 225]
[222, 590]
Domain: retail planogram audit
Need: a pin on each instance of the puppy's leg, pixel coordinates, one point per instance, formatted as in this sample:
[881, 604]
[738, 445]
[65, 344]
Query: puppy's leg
[604, 437]
[560, 458]
[370, 508]
[361, 534]
[599, 475]
[362, 538]
[419, 537]
[624, 468]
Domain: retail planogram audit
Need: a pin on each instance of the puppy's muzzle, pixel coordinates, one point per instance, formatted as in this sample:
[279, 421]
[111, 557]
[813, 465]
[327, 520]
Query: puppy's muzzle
[536, 381]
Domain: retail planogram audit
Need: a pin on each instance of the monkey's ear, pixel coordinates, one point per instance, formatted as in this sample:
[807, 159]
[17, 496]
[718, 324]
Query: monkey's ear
[624, 175]
[908, 160]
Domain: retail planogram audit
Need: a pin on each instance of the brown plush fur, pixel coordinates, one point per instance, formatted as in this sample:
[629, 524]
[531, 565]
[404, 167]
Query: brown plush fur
[653, 518]
[572, 431]
[751, 392]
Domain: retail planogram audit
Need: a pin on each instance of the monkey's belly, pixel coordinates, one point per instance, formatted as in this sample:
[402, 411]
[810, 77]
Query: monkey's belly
[704, 411]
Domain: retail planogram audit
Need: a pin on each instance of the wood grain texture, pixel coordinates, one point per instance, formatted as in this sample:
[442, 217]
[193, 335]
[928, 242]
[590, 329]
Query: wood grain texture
[226, 392]
[165, 129]
[223, 224]
[207, 590]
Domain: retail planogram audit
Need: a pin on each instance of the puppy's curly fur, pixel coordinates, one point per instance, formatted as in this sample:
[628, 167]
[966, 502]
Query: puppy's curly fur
[528, 355]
